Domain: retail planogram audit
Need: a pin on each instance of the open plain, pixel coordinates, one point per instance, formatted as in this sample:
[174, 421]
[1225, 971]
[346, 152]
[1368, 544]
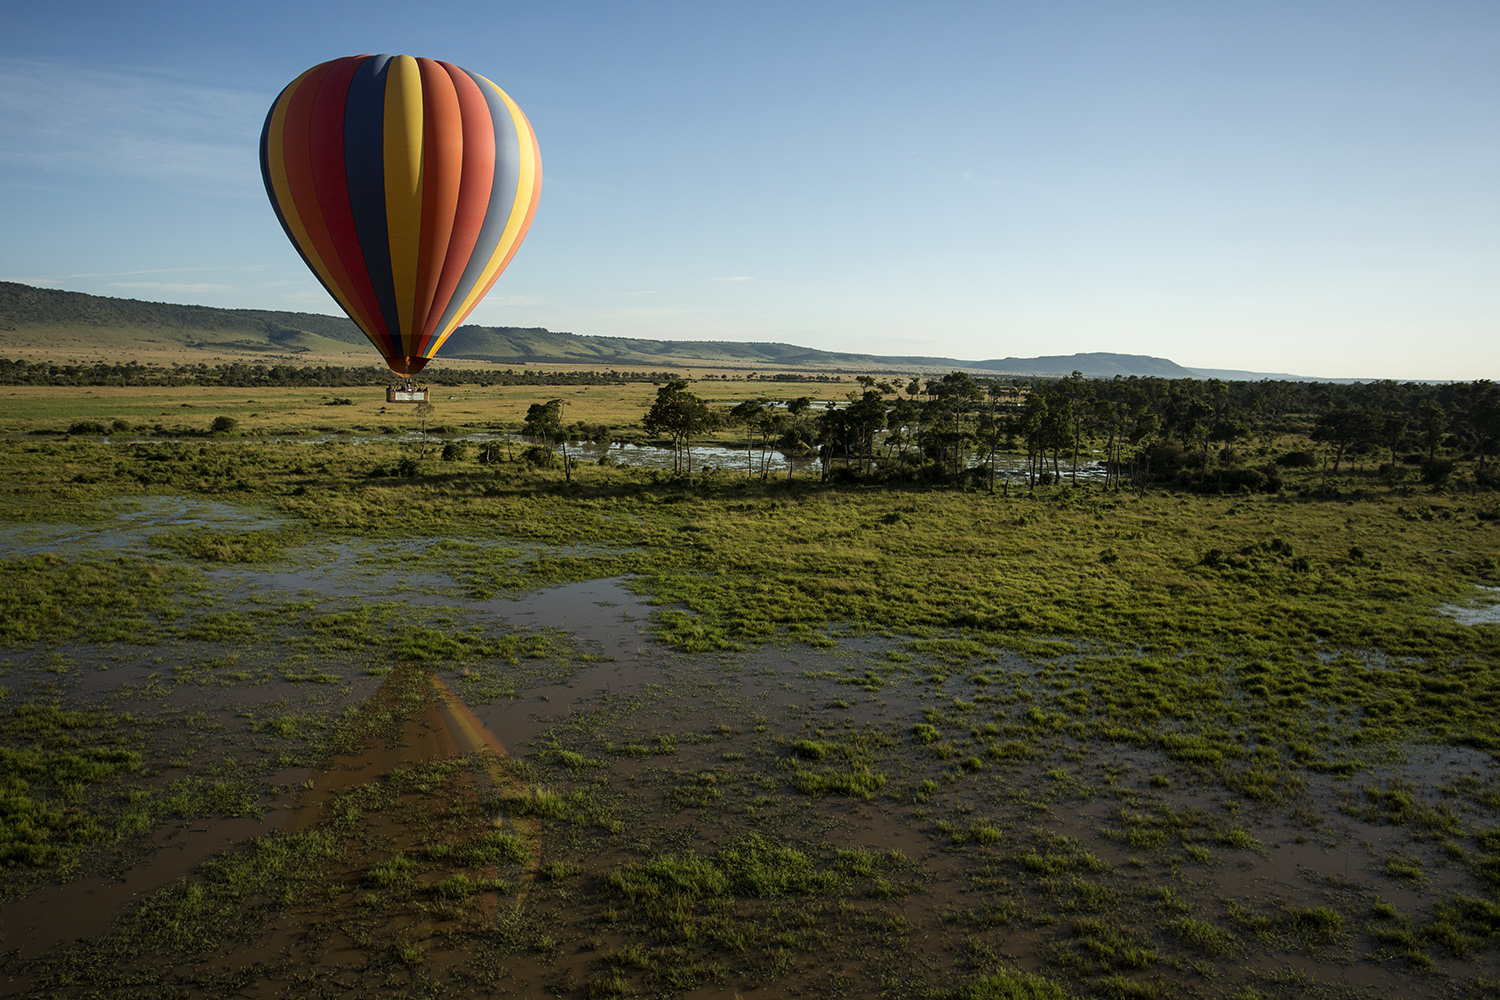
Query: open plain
[335, 699]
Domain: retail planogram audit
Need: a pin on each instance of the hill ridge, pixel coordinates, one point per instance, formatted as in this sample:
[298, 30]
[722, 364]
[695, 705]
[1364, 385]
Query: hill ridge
[31, 317]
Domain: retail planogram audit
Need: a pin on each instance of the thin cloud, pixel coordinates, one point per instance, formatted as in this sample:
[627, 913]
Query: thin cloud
[57, 279]
[169, 286]
[135, 123]
[736, 277]
[969, 177]
[512, 300]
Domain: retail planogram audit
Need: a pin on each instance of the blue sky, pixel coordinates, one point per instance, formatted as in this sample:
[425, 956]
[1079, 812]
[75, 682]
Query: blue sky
[1308, 187]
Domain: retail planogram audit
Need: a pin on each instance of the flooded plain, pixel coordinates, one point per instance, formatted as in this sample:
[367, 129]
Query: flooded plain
[355, 775]
[754, 462]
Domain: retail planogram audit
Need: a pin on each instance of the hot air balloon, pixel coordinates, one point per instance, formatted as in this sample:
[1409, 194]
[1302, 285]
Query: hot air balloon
[406, 185]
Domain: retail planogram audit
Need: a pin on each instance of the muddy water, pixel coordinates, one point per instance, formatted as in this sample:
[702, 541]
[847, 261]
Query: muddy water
[608, 619]
[131, 527]
[735, 719]
[58, 915]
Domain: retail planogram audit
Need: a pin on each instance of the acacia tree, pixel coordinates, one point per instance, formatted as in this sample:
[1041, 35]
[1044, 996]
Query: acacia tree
[544, 421]
[830, 427]
[900, 420]
[866, 415]
[1080, 393]
[1345, 429]
[794, 439]
[772, 427]
[1057, 429]
[919, 416]
[1227, 432]
[1393, 432]
[1032, 422]
[994, 424]
[424, 414]
[1433, 422]
[1484, 418]
[952, 399]
[1111, 416]
[751, 413]
[679, 414]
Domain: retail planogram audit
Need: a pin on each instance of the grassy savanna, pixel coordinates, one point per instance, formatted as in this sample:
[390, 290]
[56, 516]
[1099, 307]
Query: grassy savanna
[909, 740]
[274, 410]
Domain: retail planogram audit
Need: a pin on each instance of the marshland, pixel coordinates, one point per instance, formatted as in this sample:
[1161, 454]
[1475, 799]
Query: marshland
[956, 688]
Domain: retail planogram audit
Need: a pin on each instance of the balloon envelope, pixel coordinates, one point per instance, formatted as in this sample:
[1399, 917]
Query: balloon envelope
[406, 185]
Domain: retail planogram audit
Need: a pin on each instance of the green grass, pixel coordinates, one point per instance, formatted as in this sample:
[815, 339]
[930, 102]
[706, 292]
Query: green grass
[1208, 937]
[752, 867]
[1010, 984]
[1234, 649]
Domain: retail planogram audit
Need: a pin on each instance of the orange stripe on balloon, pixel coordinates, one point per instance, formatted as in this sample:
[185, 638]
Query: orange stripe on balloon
[473, 194]
[442, 173]
[528, 192]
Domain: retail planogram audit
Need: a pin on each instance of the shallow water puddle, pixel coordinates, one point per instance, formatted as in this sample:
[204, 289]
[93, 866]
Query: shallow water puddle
[415, 722]
[131, 528]
[413, 719]
[58, 915]
[1482, 609]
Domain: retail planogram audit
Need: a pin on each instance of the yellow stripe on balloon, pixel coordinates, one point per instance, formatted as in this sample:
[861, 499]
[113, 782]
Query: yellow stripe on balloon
[403, 188]
[276, 159]
[515, 227]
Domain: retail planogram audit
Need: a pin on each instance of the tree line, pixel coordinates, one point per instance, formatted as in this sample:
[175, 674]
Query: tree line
[243, 375]
[1202, 434]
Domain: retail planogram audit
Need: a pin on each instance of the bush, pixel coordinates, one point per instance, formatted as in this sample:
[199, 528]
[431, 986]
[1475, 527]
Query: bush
[1253, 480]
[1297, 460]
[223, 425]
[455, 451]
[1167, 459]
[87, 427]
[539, 457]
[1436, 471]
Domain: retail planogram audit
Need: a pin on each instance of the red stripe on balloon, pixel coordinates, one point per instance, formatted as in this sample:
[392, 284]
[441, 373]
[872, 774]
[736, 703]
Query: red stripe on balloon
[326, 156]
[478, 175]
[296, 145]
[442, 172]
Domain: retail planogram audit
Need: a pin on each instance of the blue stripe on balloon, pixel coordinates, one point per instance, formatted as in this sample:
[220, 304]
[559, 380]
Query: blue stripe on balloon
[364, 172]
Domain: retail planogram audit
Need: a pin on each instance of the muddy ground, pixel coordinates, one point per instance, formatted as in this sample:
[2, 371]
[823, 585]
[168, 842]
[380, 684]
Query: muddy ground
[587, 813]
